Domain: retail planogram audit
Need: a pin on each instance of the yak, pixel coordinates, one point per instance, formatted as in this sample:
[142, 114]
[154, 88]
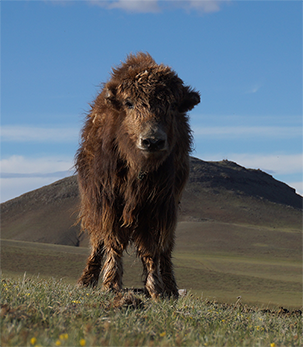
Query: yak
[132, 165]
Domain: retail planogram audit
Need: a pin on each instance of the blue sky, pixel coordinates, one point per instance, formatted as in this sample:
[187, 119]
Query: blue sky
[245, 58]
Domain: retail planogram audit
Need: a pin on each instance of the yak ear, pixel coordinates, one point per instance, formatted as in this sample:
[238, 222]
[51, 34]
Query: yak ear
[190, 100]
[110, 95]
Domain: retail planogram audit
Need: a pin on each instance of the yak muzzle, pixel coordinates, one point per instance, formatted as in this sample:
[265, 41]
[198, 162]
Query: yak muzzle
[154, 139]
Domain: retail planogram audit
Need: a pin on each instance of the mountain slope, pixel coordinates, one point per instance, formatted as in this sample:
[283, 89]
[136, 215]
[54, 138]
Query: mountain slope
[46, 215]
[216, 191]
[227, 192]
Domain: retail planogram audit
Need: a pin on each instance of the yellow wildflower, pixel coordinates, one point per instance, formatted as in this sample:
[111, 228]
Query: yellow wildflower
[63, 337]
[33, 341]
[58, 343]
[273, 345]
[163, 334]
[82, 342]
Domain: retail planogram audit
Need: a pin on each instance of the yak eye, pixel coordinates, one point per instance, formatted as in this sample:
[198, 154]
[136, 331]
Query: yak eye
[129, 104]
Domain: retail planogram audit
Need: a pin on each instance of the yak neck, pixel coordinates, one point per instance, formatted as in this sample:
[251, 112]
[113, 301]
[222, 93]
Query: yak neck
[145, 193]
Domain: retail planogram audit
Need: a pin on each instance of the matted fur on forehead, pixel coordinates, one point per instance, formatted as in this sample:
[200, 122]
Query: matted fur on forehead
[141, 75]
[133, 65]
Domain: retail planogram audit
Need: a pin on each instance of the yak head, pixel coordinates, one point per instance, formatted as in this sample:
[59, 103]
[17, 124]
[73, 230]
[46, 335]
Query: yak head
[149, 104]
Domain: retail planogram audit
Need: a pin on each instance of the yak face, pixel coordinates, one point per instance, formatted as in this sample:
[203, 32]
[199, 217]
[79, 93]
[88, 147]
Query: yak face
[151, 102]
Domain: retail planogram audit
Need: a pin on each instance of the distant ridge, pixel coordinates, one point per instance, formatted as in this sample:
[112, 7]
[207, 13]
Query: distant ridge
[228, 175]
[219, 191]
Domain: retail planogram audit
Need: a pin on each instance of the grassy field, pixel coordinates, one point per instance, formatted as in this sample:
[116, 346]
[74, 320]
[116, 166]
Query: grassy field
[37, 312]
[218, 263]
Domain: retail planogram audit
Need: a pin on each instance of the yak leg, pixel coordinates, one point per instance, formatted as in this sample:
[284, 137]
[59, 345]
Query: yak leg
[167, 272]
[90, 275]
[113, 270]
[153, 282]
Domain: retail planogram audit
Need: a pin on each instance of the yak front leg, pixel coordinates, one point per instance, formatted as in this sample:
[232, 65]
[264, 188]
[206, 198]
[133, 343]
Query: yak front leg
[90, 275]
[167, 272]
[153, 282]
[113, 270]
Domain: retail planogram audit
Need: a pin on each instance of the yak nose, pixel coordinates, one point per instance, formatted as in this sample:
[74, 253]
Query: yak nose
[153, 144]
[153, 138]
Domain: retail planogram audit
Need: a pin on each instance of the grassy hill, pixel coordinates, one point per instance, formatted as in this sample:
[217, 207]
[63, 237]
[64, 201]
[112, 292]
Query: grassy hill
[239, 234]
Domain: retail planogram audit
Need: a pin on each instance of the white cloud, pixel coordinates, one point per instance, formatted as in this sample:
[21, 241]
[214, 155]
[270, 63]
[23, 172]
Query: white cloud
[21, 174]
[142, 6]
[18, 133]
[18, 164]
[100, 3]
[153, 6]
[253, 89]
[206, 6]
[240, 131]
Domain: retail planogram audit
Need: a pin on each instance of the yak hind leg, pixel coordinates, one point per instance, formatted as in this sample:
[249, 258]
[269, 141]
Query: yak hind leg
[167, 272]
[91, 273]
[113, 270]
[153, 282]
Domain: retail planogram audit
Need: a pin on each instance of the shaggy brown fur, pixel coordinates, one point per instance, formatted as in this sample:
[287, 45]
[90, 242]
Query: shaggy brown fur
[132, 166]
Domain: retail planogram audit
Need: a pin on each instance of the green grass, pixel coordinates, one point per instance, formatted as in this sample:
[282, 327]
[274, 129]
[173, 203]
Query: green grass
[217, 275]
[36, 312]
[224, 277]
[46, 260]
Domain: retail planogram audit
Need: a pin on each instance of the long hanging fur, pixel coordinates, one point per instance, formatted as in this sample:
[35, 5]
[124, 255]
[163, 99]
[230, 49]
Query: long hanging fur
[127, 194]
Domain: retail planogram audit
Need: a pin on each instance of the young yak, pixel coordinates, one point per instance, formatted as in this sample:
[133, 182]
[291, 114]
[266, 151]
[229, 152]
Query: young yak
[132, 164]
